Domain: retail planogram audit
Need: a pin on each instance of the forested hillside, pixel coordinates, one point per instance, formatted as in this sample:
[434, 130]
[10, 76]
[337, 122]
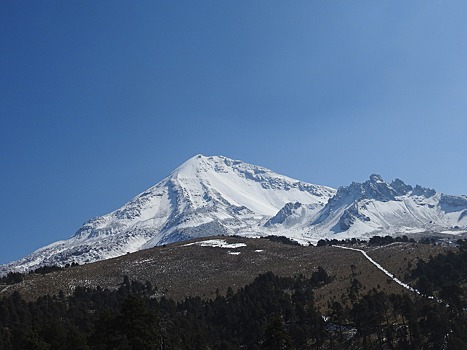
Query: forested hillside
[270, 313]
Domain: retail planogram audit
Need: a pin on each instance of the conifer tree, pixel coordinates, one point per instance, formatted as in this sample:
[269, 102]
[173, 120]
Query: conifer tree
[275, 336]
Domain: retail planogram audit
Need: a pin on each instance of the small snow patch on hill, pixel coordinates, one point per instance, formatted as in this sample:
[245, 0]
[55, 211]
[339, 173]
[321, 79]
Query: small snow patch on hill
[217, 243]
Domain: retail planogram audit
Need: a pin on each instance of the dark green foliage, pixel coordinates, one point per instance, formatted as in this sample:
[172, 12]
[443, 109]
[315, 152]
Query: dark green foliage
[375, 240]
[271, 313]
[444, 275]
[276, 336]
[129, 318]
[12, 278]
[47, 269]
[462, 243]
[283, 240]
[379, 241]
[347, 241]
[136, 327]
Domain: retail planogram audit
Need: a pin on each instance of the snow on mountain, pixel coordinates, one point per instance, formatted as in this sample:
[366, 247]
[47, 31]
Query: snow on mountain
[377, 207]
[205, 196]
[293, 215]
[211, 196]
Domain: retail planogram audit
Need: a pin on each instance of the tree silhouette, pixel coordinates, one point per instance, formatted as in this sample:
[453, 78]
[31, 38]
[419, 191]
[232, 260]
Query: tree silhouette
[275, 336]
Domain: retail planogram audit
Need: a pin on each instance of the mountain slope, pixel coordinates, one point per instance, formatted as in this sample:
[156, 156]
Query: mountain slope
[203, 265]
[205, 196]
[377, 207]
[210, 196]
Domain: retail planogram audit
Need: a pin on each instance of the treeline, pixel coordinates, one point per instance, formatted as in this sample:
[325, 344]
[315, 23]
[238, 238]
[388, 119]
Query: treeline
[282, 239]
[445, 276]
[131, 318]
[347, 241]
[379, 241]
[375, 240]
[397, 321]
[270, 313]
[17, 277]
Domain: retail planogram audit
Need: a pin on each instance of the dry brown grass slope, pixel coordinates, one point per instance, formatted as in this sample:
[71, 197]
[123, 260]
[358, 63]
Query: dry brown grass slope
[179, 270]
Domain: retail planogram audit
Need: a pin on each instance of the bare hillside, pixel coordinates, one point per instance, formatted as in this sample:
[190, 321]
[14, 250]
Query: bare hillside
[204, 266]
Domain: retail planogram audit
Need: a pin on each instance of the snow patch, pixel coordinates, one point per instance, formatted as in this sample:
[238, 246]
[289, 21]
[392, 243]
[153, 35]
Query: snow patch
[217, 243]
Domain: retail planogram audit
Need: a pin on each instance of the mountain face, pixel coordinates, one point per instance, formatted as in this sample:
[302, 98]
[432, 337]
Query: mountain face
[208, 196]
[205, 196]
[376, 207]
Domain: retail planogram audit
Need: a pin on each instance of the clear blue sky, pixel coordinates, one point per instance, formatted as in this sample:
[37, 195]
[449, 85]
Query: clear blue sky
[100, 100]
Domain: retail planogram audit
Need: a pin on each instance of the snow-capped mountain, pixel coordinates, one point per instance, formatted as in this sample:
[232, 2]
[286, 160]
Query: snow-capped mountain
[377, 207]
[205, 196]
[208, 196]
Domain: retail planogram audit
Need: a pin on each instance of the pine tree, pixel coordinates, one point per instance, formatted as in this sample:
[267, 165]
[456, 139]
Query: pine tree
[275, 336]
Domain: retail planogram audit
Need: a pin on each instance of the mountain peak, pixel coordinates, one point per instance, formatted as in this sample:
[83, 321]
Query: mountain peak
[205, 196]
[376, 178]
[216, 195]
[201, 163]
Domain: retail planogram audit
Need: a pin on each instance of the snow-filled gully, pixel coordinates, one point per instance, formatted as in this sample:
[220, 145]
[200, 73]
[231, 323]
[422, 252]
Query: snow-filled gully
[390, 275]
[395, 279]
